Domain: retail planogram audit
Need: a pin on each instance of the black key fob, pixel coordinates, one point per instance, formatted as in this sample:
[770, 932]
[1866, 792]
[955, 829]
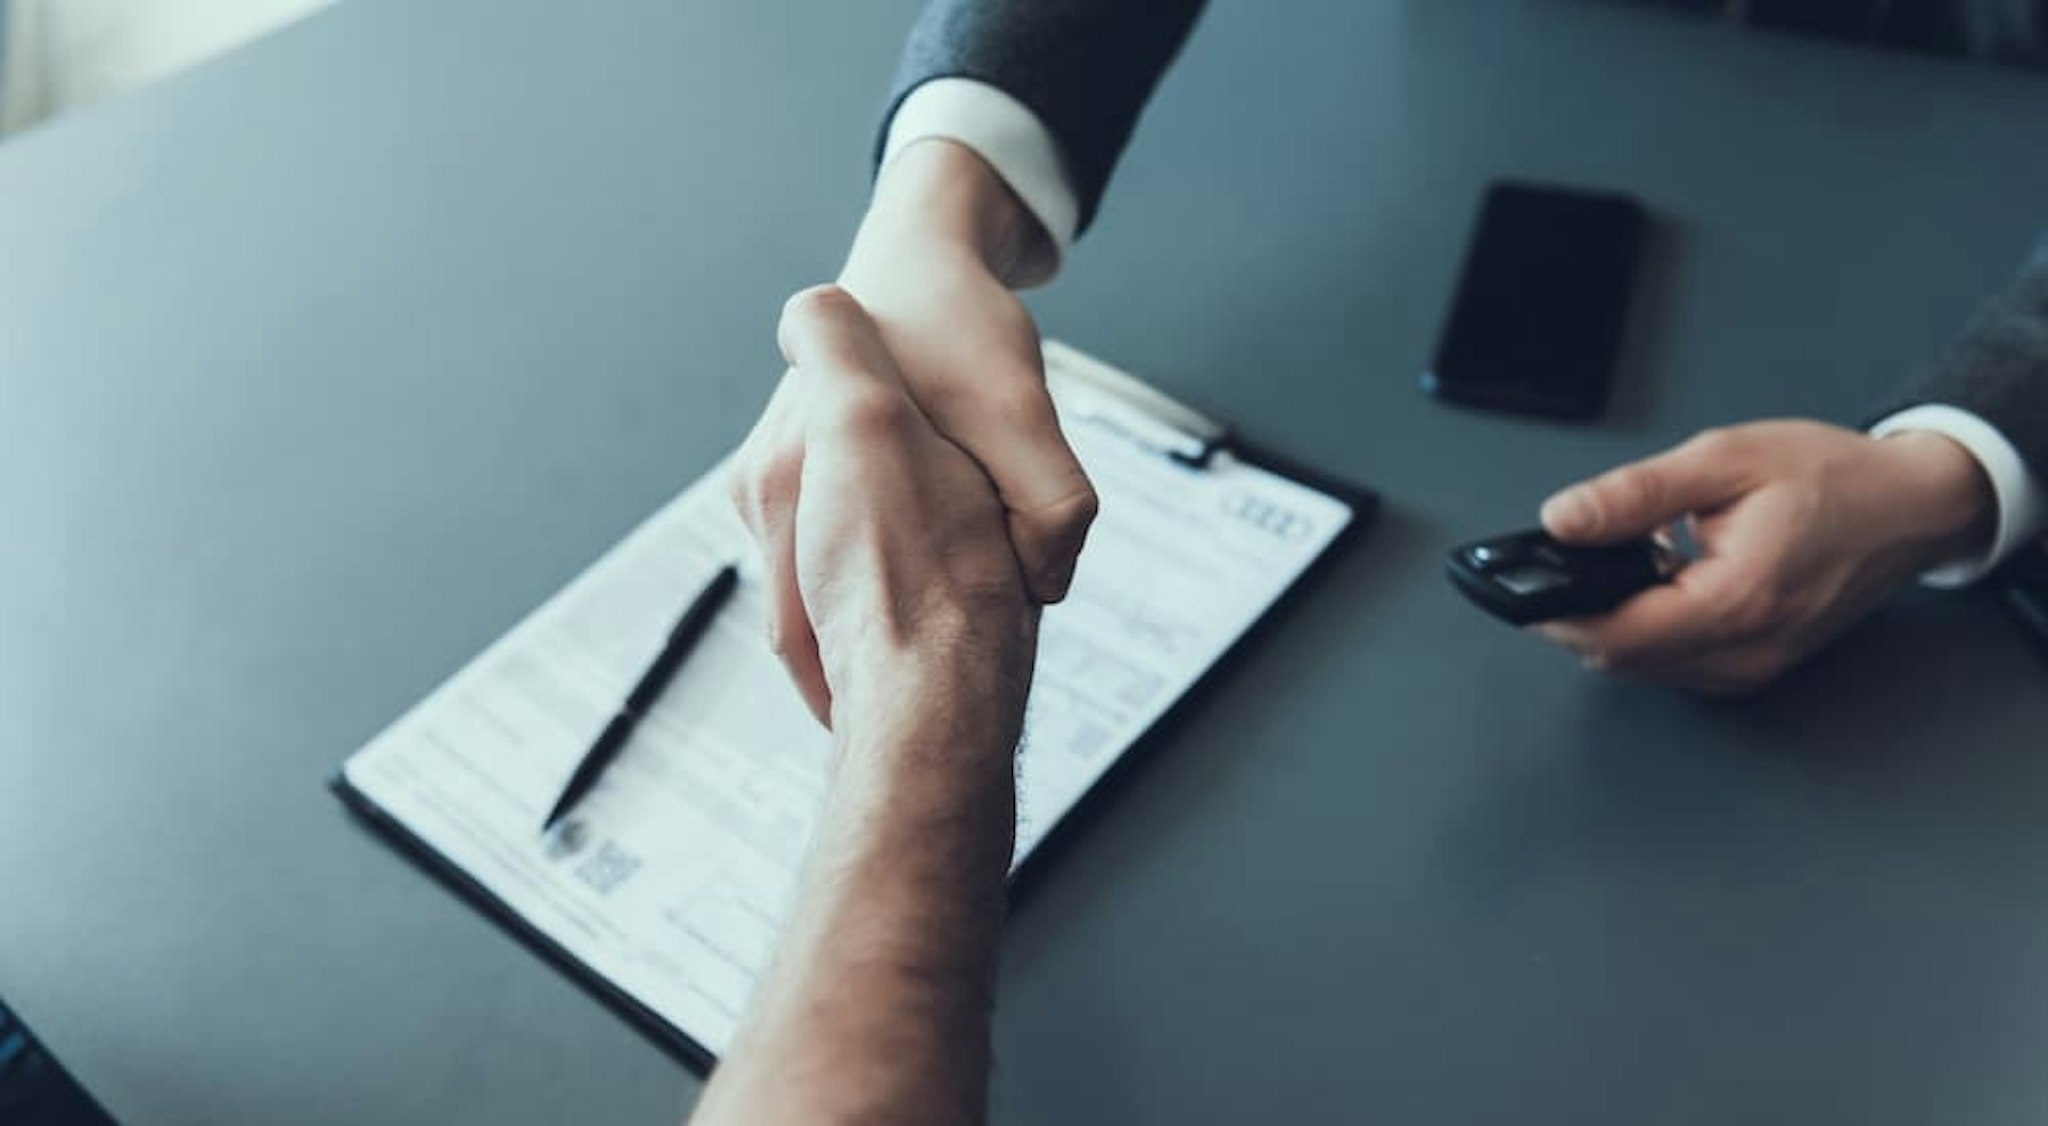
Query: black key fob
[1528, 577]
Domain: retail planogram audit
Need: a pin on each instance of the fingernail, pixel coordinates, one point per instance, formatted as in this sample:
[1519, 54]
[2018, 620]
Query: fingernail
[1568, 513]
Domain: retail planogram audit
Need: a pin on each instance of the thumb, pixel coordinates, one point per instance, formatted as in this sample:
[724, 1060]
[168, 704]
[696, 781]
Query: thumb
[828, 336]
[1637, 499]
[1050, 500]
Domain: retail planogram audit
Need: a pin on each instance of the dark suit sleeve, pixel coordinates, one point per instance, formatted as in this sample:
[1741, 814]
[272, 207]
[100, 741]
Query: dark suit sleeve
[1085, 67]
[1998, 369]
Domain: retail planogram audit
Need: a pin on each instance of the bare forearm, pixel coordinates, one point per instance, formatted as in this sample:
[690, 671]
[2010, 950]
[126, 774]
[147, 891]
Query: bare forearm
[878, 1006]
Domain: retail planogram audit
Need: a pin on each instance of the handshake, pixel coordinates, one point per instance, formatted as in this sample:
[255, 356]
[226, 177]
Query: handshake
[913, 495]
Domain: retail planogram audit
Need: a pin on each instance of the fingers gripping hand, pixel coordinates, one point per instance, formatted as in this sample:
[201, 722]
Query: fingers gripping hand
[766, 485]
[888, 547]
[969, 357]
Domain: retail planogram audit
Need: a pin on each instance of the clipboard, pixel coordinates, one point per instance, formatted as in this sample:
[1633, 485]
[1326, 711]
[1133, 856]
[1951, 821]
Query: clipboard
[1136, 417]
[1203, 438]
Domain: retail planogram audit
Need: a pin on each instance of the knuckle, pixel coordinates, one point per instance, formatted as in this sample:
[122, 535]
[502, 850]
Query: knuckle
[819, 303]
[1086, 506]
[1074, 513]
[873, 417]
[815, 325]
[1052, 547]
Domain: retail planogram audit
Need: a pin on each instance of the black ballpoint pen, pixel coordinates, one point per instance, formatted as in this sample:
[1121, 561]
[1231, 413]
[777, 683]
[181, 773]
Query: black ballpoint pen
[613, 738]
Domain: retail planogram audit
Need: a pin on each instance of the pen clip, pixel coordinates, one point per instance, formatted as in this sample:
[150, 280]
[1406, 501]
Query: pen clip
[1088, 390]
[1187, 450]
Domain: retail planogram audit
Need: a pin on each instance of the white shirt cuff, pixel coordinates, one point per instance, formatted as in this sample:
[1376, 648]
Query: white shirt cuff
[2022, 507]
[1012, 140]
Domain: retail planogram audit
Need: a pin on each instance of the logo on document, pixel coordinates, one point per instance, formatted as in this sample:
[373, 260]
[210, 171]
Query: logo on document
[1275, 520]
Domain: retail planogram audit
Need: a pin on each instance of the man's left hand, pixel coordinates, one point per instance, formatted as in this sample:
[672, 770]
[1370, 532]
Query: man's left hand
[1803, 528]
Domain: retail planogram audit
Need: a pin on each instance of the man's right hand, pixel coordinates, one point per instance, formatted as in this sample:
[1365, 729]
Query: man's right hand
[932, 265]
[876, 1008]
[898, 560]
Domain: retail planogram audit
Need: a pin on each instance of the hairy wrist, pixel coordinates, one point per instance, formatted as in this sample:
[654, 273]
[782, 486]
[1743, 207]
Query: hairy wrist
[942, 699]
[940, 197]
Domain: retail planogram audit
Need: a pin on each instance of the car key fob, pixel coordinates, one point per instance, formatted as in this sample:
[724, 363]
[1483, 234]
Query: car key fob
[1528, 577]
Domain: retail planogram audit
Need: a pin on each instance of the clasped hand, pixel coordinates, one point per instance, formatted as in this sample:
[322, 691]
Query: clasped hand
[947, 480]
[888, 557]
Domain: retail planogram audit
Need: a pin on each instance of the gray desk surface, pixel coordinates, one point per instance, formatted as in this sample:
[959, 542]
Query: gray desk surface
[324, 363]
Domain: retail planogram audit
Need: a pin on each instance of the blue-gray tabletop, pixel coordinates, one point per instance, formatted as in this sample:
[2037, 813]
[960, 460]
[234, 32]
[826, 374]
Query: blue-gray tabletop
[324, 363]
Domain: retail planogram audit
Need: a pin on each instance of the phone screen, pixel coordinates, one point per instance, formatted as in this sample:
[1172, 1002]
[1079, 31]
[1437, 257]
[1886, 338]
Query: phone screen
[1541, 302]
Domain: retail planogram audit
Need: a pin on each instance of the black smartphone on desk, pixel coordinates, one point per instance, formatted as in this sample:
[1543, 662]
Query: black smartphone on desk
[1541, 302]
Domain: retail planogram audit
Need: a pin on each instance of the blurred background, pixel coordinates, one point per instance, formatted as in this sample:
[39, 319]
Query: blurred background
[57, 55]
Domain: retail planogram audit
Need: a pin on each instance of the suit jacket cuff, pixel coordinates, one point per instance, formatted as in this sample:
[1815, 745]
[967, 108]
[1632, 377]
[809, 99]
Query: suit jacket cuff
[2022, 507]
[1014, 142]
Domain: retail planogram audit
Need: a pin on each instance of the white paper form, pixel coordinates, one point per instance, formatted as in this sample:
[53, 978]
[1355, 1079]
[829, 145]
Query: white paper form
[671, 878]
